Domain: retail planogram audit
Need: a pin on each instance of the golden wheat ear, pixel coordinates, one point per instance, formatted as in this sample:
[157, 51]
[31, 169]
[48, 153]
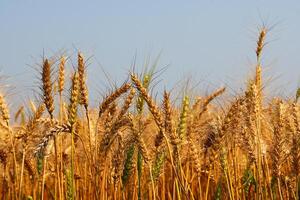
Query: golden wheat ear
[112, 97]
[74, 98]
[47, 87]
[4, 109]
[61, 75]
[260, 42]
[151, 104]
[83, 100]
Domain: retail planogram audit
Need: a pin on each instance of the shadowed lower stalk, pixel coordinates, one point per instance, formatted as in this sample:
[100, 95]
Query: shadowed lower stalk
[22, 171]
[226, 173]
[139, 169]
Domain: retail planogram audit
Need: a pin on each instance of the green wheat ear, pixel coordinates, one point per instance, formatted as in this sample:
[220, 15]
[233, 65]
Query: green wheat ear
[158, 164]
[248, 181]
[218, 192]
[29, 198]
[128, 165]
[69, 185]
[39, 163]
[183, 118]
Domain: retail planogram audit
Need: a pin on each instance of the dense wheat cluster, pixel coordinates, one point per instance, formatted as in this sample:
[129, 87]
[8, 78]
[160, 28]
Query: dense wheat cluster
[135, 146]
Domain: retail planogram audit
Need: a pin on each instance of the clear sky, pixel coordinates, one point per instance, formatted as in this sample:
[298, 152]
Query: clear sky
[210, 40]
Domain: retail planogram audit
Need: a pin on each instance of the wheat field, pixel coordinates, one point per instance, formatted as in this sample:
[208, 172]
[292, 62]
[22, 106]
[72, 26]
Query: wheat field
[137, 146]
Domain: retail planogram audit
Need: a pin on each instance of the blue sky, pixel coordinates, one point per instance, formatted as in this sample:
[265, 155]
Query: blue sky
[208, 40]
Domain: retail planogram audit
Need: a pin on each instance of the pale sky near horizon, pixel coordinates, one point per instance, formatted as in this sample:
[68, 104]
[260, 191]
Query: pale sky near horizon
[209, 40]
